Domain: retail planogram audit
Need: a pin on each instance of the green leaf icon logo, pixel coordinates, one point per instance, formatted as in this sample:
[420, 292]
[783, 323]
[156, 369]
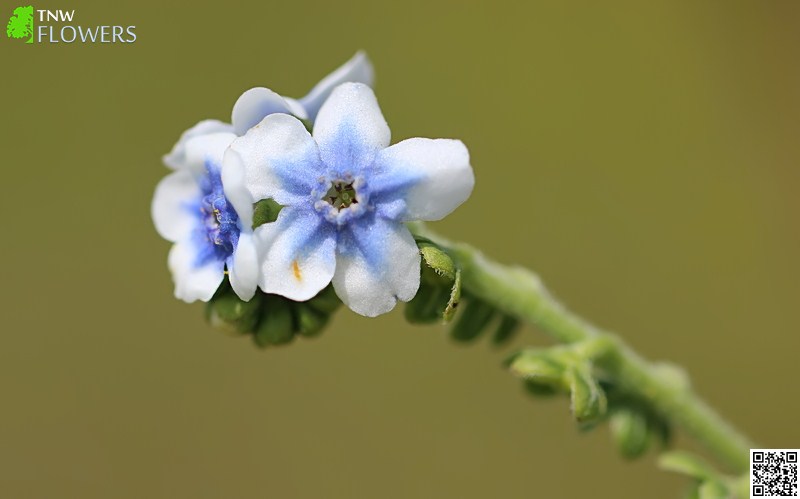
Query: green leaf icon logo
[20, 25]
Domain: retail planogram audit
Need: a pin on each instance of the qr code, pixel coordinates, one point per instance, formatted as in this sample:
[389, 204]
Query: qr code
[773, 473]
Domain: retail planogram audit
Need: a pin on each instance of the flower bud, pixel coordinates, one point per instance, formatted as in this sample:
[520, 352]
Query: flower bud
[588, 401]
[308, 321]
[275, 327]
[541, 368]
[227, 312]
[631, 431]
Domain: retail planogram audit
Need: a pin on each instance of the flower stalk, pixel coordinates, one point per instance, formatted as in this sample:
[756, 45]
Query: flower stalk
[520, 293]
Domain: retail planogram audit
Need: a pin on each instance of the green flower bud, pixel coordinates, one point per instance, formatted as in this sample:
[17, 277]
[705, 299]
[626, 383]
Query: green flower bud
[540, 368]
[588, 401]
[225, 311]
[309, 321]
[276, 325]
[631, 432]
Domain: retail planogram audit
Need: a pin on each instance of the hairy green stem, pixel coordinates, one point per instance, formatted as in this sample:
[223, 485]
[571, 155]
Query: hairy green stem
[519, 292]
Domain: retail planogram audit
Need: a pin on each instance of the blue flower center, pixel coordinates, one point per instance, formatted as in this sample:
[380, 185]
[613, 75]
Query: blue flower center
[219, 223]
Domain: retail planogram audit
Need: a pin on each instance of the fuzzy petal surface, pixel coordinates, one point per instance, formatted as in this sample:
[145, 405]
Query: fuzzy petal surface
[377, 264]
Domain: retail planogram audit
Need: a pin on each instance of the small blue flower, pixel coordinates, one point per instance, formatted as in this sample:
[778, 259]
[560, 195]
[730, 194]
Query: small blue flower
[346, 194]
[190, 208]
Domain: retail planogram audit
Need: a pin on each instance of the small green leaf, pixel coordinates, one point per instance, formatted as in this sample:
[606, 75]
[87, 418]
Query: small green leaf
[276, 326]
[588, 401]
[265, 211]
[473, 321]
[631, 432]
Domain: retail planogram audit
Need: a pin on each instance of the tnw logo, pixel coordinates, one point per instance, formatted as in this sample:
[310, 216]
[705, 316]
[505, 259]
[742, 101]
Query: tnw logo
[20, 25]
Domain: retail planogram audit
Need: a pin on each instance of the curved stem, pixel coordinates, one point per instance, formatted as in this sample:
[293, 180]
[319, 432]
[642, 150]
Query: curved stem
[519, 292]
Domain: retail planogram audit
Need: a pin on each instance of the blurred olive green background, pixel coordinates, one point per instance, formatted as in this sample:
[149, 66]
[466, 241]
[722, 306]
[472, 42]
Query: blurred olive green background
[641, 156]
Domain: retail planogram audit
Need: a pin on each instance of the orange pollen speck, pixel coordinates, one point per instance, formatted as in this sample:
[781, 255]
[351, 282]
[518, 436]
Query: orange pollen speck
[296, 270]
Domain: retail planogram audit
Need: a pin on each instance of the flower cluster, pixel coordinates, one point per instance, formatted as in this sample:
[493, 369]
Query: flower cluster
[340, 192]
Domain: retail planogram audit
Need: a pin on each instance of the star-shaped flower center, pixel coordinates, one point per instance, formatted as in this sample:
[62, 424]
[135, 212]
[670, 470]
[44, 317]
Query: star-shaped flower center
[341, 195]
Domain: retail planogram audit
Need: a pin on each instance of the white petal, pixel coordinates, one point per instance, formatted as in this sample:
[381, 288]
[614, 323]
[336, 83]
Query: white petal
[357, 69]
[299, 254]
[207, 148]
[350, 128]
[437, 173]
[276, 159]
[376, 265]
[243, 267]
[256, 104]
[192, 282]
[176, 159]
[176, 196]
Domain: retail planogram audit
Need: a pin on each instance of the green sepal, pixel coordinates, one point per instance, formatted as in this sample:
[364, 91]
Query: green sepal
[437, 259]
[454, 299]
[587, 400]
[540, 368]
[538, 389]
[631, 431]
[427, 305]
[228, 313]
[439, 293]
[276, 326]
[472, 321]
[265, 211]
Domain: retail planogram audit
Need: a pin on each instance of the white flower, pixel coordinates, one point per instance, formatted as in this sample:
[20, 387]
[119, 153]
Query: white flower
[346, 194]
[190, 209]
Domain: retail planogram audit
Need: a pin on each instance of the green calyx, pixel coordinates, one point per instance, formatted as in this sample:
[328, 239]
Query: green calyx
[271, 320]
